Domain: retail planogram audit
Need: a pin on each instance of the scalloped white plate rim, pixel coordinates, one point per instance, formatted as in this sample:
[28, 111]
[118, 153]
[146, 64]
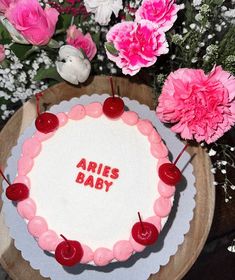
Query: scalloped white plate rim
[139, 266]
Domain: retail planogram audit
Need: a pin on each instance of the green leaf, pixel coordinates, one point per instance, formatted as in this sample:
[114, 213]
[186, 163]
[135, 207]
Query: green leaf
[111, 49]
[129, 17]
[50, 73]
[4, 34]
[64, 21]
[96, 38]
[20, 50]
[218, 2]
[53, 44]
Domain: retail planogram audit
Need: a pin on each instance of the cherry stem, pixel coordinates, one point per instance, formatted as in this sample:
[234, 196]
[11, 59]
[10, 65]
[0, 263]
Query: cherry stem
[4, 177]
[142, 225]
[111, 83]
[38, 96]
[180, 154]
[67, 241]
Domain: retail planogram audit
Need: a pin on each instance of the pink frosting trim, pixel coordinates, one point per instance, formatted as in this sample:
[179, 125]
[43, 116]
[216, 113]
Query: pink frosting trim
[103, 256]
[122, 250]
[25, 164]
[154, 137]
[130, 118]
[88, 254]
[136, 246]
[94, 110]
[43, 136]
[63, 118]
[31, 147]
[165, 190]
[26, 208]
[48, 240]
[145, 127]
[23, 179]
[37, 226]
[155, 220]
[77, 112]
[162, 207]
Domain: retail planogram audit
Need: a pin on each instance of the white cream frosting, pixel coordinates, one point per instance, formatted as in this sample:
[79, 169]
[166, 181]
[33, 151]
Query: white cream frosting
[94, 217]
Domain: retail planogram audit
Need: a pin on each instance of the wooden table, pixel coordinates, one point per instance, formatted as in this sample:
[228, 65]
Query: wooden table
[181, 262]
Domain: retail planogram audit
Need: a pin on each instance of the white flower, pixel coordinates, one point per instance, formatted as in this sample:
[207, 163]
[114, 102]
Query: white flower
[73, 67]
[103, 9]
[197, 3]
[212, 152]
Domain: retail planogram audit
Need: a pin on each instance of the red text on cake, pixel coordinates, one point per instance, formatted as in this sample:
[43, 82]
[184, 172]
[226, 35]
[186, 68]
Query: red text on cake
[89, 171]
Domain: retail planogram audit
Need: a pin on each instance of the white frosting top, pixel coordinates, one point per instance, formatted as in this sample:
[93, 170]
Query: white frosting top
[96, 217]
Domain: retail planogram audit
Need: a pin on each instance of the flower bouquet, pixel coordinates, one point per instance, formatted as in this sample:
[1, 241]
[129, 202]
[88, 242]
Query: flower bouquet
[184, 49]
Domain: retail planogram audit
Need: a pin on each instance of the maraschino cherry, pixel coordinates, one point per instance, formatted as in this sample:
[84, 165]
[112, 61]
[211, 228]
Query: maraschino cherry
[144, 233]
[45, 122]
[17, 191]
[113, 106]
[68, 252]
[169, 173]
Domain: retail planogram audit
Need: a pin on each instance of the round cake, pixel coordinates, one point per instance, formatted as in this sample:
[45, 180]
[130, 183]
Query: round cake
[88, 181]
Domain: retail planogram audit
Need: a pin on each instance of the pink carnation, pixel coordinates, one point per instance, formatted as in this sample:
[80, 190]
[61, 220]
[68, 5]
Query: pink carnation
[35, 24]
[202, 106]
[161, 12]
[76, 39]
[137, 44]
[4, 5]
[2, 53]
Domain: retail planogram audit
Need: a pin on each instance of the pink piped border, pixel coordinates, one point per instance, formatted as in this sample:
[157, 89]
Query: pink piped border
[37, 226]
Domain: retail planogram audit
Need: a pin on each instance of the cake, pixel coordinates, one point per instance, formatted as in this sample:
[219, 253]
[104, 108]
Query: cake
[88, 181]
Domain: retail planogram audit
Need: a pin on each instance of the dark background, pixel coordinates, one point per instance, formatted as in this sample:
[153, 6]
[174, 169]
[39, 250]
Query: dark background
[215, 262]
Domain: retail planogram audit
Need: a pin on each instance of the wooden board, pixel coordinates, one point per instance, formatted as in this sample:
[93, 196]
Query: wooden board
[180, 263]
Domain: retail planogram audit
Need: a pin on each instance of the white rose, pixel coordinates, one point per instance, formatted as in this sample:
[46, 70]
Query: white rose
[73, 66]
[103, 9]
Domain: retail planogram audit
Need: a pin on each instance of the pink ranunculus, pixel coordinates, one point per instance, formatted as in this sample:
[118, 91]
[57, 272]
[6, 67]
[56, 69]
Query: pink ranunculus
[76, 39]
[138, 45]
[2, 53]
[161, 12]
[200, 106]
[35, 24]
[4, 5]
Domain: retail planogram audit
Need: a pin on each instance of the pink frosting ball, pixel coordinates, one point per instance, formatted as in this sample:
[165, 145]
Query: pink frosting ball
[77, 112]
[159, 150]
[23, 179]
[145, 127]
[25, 164]
[136, 246]
[88, 254]
[103, 256]
[62, 118]
[48, 240]
[94, 110]
[26, 208]
[31, 147]
[122, 250]
[37, 226]
[162, 207]
[130, 118]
